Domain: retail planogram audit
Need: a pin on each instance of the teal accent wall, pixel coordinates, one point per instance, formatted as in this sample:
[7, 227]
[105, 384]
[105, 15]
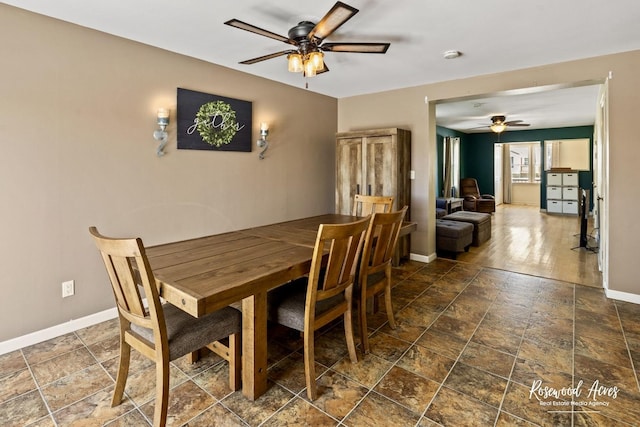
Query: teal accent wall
[476, 154]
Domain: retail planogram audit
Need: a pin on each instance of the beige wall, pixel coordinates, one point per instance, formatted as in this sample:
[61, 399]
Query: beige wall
[77, 114]
[76, 119]
[406, 108]
[525, 194]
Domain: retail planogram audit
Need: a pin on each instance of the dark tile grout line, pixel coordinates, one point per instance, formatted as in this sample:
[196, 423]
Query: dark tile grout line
[626, 343]
[424, 412]
[513, 365]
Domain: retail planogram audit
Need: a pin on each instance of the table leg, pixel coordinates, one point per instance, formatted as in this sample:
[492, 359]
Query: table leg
[254, 345]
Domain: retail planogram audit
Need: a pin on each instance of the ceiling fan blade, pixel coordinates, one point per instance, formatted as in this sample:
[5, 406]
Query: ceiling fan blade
[265, 57]
[356, 47]
[512, 122]
[257, 30]
[338, 15]
[517, 124]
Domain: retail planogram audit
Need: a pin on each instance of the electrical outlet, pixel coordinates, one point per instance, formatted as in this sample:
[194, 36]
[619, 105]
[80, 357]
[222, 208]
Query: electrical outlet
[68, 288]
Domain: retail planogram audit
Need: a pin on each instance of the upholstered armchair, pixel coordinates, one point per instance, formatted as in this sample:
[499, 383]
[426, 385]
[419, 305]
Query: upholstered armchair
[473, 200]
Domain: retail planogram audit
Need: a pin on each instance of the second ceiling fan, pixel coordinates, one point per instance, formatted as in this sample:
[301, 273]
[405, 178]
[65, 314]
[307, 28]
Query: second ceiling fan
[306, 54]
[499, 124]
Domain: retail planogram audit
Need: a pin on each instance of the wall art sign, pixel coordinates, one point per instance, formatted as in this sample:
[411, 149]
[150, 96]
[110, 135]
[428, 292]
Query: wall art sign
[212, 122]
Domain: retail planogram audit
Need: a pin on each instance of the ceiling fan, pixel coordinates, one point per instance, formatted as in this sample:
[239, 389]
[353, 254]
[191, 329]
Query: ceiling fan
[499, 124]
[307, 41]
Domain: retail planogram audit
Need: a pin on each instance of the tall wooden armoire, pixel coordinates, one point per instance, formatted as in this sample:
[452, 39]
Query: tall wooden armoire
[374, 162]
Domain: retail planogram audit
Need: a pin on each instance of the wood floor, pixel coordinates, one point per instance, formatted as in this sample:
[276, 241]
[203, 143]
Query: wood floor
[525, 240]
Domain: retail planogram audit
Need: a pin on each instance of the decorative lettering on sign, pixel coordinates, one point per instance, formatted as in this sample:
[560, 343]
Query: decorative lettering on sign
[208, 122]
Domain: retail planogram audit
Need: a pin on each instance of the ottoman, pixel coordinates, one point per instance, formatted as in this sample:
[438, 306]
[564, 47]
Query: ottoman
[453, 236]
[481, 224]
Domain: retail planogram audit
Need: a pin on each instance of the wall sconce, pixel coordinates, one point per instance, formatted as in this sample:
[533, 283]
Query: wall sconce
[262, 142]
[161, 134]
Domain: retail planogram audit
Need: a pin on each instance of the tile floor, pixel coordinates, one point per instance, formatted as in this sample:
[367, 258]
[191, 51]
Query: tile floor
[475, 346]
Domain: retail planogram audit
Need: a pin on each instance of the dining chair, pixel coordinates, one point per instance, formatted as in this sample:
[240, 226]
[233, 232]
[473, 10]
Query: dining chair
[309, 303]
[366, 205]
[160, 332]
[374, 275]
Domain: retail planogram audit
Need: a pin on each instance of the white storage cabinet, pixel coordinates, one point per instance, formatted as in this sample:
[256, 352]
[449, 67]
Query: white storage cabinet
[562, 193]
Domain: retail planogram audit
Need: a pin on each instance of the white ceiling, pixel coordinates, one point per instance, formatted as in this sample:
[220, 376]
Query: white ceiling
[541, 109]
[493, 36]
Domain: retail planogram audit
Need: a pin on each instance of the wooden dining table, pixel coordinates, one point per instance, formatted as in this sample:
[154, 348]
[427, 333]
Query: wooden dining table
[204, 274]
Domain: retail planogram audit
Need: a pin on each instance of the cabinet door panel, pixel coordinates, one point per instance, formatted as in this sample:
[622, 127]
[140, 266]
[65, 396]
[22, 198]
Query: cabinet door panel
[348, 173]
[380, 165]
[554, 206]
[569, 179]
[554, 178]
[570, 193]
[554, 192]
[570, 207]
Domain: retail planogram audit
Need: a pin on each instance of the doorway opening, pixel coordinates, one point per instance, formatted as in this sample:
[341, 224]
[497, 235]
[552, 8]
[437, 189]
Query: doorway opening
[509, 168]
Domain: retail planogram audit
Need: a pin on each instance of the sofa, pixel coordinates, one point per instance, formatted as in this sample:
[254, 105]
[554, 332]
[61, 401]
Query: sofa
[441, 208]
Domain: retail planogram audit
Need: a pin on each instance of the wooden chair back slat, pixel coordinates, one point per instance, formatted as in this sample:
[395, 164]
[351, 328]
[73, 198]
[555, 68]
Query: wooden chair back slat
[129, 272]
[385, 231]
[367, 205]
[345, 243]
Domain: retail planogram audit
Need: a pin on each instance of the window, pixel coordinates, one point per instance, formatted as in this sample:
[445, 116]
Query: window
[568, 153]
[526, 162]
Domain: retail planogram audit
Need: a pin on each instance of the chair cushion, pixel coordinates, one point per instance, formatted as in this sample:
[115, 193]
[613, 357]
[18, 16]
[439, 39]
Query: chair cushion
[285, 304]
[186, 333]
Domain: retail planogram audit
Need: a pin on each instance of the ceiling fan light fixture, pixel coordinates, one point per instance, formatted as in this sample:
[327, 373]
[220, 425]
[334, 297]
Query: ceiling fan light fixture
[295, 62]
[498, 127]
[309, 68]
[317, 59]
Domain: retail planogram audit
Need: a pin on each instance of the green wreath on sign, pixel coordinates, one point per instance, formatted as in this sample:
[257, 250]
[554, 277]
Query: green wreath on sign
[216, 123]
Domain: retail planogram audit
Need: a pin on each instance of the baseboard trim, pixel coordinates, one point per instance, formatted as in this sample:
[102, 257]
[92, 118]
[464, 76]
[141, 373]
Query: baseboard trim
[56, 331]
[422, 258]
[623, 296]
[111, 313]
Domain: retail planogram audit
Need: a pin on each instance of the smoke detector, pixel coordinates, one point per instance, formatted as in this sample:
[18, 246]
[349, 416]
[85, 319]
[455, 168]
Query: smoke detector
[451, 54]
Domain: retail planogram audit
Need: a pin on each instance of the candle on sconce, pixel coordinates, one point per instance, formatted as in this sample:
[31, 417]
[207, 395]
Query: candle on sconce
[163, 113]
[163, 117]
[264, 126]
